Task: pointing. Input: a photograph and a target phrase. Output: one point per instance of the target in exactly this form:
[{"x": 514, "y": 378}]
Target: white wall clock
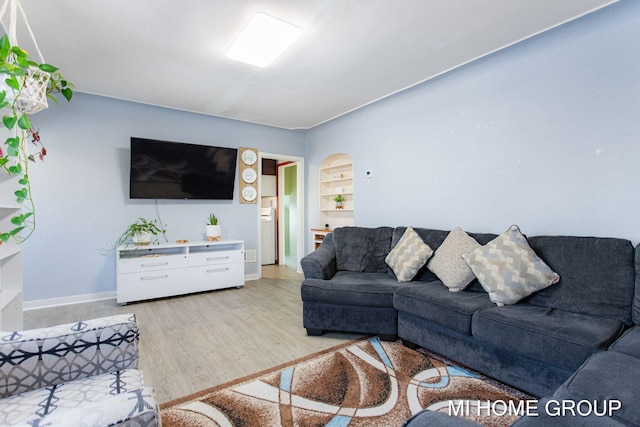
[{"x": 249, "y": 175}]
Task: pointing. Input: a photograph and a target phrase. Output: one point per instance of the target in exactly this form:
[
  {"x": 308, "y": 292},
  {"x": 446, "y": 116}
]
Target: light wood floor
[{"x": 193, "y": 342}]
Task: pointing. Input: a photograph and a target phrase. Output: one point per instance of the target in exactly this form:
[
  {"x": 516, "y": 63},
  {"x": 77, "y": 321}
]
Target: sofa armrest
[
  {"x": 45, "y": 357},
  {"x": 321, "y": 263}
]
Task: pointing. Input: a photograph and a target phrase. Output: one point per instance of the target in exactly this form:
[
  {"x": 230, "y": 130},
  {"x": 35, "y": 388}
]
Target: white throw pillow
[
  {"x": 508, "y": 269},
  {"x": 447, "y": 262},
  {"x": 408, "y": 256}
]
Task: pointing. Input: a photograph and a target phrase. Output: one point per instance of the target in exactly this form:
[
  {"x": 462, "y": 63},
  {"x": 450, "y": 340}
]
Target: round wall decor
[
  {"x": 249, "y": 194},
  {"x": 249, "y": 157},
  {"x": 248, "y": 175}
]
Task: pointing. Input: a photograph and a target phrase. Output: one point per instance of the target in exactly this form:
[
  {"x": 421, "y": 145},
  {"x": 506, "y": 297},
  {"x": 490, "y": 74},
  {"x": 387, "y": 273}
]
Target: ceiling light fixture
[{"x": 262, "y": 40}]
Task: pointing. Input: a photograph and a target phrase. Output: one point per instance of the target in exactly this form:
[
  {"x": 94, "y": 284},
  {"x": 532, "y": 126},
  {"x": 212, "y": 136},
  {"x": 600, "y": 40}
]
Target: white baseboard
[
  {"x": 75, "y": 299},
  {"x": 79, "y": 299}
]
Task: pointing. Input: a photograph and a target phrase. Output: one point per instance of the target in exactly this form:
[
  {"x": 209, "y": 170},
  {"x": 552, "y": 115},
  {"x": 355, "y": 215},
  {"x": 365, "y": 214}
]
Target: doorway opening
[{"x": 281, "y": 213}]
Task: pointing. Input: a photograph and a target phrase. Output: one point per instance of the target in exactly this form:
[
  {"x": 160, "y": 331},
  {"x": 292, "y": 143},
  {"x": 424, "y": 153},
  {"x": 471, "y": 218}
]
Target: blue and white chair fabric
[{"x": 78, "y": 374}]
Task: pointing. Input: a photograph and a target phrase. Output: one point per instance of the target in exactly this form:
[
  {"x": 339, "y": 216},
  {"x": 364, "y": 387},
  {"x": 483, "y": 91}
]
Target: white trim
[
  {"x": 79, "y": 299},
  {"x": 75, "y": 299}
]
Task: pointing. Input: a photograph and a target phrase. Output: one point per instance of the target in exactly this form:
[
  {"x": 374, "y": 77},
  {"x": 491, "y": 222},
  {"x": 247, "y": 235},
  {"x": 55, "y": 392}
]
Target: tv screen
[{"x": 173, "y": 170}]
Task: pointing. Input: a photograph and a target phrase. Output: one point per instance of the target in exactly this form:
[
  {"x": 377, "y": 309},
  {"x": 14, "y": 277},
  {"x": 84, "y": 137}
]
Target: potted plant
[
  {"x": 213, "y": 230},
  {"x": 339, "y": 199},
  {"x": 140, "y": 232},
  {"x": 25, "y": 87}
]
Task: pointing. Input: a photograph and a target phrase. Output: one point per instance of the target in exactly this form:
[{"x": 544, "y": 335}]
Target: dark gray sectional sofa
[{"x": 574, "y": 339}]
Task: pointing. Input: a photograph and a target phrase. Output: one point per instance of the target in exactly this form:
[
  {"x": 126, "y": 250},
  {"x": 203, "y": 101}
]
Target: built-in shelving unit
[
  {"x": 156, "y": 271},
  {"x": 336, "y": 177},
  {"x": 10, "y": 259}
]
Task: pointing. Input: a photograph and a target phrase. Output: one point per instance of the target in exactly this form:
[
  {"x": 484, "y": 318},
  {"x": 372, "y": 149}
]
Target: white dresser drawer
[
  {"x": 217, "y": 276},
  {"x": 139, "y": 286},
  {"x": 215, "y": 257},
  {"x": 141, "y": 264}
]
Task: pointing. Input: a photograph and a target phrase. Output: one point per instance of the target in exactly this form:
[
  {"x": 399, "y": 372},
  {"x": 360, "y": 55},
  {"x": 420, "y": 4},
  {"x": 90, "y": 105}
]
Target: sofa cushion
[
  {"x": 550, "y": 413},
  {"x": 99, "y": 400},
  {"x": 447, "y": 262},
  {"x": 556, "y": 337},
  {"x": 408, "y": 256},
  {"x": 362, "y": 249},
  {"x": 597, "y": 275},
  {"x": 349, "y": 288},
  {"x": 508, "y": 269},
  {"x": 605, "y": 377},
  {"x": 434, "y": 302},
  {"x": 628, "y": 343}
]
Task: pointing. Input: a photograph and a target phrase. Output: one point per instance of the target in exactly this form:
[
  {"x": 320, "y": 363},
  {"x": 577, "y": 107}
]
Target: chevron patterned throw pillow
[
  {"x": 408, "y": 256},
  {"x": 508, "y": 269}
]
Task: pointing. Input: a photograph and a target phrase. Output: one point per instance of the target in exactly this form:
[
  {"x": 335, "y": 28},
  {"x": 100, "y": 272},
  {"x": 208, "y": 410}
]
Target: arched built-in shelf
[{"x": 336, "y": 177}]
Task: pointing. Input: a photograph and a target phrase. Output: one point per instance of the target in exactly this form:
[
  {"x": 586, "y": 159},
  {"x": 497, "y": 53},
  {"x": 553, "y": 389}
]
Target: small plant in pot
[
  {"x": 213, "y": 230},
  {"x": 140, "y": 232},
  {"x": 339, "y": 199}
]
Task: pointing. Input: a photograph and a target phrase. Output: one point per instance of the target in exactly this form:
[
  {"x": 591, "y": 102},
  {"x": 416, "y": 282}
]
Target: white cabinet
[
  {"x": 10, "y": 259},
  {"x": 145, "y": 272},
  {"x": 318, "y": 235}
]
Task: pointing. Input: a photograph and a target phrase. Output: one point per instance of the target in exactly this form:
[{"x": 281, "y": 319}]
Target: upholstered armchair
[{"x": 77, "y": 374}]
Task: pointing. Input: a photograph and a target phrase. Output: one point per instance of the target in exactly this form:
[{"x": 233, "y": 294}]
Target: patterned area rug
[{"x": 366, "y": 383}]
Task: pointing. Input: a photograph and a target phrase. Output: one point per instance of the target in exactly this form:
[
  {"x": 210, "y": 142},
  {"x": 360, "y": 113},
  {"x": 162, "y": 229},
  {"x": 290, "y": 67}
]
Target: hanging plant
[{"x": 25, "y": 87}]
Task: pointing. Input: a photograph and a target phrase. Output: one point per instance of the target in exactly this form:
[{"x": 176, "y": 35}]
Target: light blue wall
[
  {"x": 82, "y": 195},
  {"x": 545, "y": 134}
]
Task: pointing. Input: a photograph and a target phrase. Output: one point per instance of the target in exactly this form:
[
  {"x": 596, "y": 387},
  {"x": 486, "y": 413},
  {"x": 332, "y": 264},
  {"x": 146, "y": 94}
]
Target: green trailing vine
[{"x": 23, "y": 146}]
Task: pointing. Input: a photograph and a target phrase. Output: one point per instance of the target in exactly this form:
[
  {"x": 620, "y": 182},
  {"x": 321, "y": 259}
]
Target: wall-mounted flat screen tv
[{"x": 174, "y": 170}]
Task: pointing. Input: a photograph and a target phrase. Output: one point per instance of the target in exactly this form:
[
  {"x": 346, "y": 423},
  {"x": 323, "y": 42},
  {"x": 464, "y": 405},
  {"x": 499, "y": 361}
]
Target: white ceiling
[{"x": 352, "y": 52}]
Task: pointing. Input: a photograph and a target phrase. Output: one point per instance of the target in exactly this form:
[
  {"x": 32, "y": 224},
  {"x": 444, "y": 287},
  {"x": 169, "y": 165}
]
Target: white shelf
[
  {"x": 7, "y": 297},
  {"x": 191, "y": 244},
  {"x": 337, "y": 165},
  {"x": 332, "y": 180},
  {"x": 9, "y": 207},
  {"x": 335, "y": 194},
  {"x": 7, "y": 250}
]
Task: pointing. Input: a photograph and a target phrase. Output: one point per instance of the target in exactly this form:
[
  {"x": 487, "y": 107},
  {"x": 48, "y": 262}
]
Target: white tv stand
[{"x": 155, "y": 271}]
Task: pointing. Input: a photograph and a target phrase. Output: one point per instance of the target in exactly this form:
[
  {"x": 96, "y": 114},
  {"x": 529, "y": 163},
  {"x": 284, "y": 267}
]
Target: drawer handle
[
  {"x": 163, "y": 276},
  {"x": 154, "y": 264},
  {"x": 216, "y": 270},
  {"x": 217, "y": 258}
]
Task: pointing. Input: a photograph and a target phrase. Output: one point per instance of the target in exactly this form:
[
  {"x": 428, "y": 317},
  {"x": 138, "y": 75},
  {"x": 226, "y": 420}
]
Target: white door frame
[{"x": 301, "y": 208}]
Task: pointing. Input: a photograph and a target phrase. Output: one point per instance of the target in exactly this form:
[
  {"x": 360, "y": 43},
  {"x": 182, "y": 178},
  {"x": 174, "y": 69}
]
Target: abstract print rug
[{"x": 366, "y": 383}]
